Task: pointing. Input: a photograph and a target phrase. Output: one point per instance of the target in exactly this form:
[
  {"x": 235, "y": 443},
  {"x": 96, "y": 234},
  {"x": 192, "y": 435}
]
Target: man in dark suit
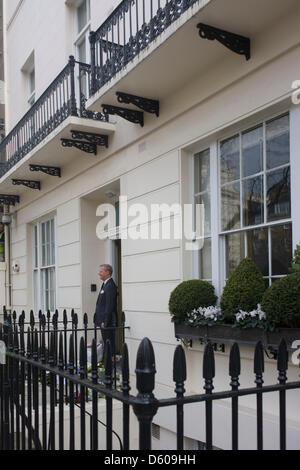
[{"x": 106, "y": 307}]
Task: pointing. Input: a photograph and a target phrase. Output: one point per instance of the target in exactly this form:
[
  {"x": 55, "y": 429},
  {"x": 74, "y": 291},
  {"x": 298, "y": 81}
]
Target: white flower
[
  {"x": 210, "y": 313},
  {"x": 241, "y": 315}
]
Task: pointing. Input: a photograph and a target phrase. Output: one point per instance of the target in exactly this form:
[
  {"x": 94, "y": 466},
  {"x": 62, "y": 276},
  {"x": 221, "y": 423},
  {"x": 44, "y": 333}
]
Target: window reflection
[
  {"x": 281, "y": 240},
  {"x": 253, "y": 201},
  {"x": 278, "y": 142},
  {"x": 202, "y": 195},
  {"x": 205, "y": 267},
  {"x": 252, "y": 151},
  {"x": 258, "y": 249},
  {"x": 202, "y": 172},
  {"x": 278, "y": 194},
  {"x": 235, "y": 251},
  {"x": 205, "y": 200},
  {"x": 230, "y": 160},
  {"x": 231, "y": 207}
]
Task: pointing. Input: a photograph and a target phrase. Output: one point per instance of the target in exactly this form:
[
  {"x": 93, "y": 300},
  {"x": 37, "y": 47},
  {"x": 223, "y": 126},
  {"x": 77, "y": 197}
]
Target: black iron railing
[
  {"x": 132, "y": 26},
  {"x": 66, "y": 96},
  {"x": 66, "y": 324},
  {"x": 31, "y": 379}
]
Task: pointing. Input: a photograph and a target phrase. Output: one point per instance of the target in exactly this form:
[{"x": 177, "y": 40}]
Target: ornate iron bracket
[
  {"x": 28, "y": 183},
  {"x": 9, "y": 200},
  {"x": 137, "y": 117},
  {"x": 49, "y": 170},
  {"x": 86, "y": 147},
  {"x": 98, "y": 139},
  {"x": 146, "y": 104},
  {"x": 234, "y": 42}
]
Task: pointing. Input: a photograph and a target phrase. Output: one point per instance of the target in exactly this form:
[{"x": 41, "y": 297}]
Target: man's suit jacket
[{"x": 106, "y": 307}]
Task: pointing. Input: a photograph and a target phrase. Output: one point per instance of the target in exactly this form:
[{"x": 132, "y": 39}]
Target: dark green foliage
[
  {"x": 190, "y": 295},
  {"x": 281, "y": 302},
  {"x": 296, "y": 261},
  {"x": 243, "y": 291}
]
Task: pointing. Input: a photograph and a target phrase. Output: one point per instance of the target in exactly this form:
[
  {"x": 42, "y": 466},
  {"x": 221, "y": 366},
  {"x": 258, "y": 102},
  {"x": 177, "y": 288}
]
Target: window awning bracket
[
  {"x": 146, "y": 104},
  {"x": 28, "y": 183},
  {"x": 49, "y": 170},
  {"x": 9, "y": 200},
  {"x": 238, "y": 44},
  {"x": 131, "y": 115}
]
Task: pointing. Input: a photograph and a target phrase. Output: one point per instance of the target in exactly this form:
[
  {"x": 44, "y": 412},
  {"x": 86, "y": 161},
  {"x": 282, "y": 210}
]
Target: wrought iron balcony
[
  {"x": 59, "y": 101},
  {"x": 132, "y": 26}
]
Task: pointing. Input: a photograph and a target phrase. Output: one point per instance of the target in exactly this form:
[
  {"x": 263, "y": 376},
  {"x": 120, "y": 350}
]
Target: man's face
[
  {"x": 1, "y": 227},
  {"x": 103, "y": 274}
]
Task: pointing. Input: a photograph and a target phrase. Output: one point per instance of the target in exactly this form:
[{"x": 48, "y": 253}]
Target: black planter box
[{"x": 225, "y": 334}]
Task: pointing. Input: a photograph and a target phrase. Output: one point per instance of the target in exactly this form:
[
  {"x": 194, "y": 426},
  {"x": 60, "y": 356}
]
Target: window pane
[
  {"x": 52, "y": 232},
  {"x": 205, "y": 270},
  {"x": 278, "y": 142},
  {"x": 278, "y": 194},
  {"x": 47, "y": 243},
  {"x": 82, "y": 15},
  {"x": 205, "y": 200},
  {"x": 202, "y": 172},
  {"x": 52, "y": 289},
  {"x": 230, "y": 160},
  {"x": 36, "y": 289},
  {"x": 43, "y": 234},
  {"x": 253, "y": 201},
  {"x": 52, "y": 301},
  {"x": 82, "y": 52},
  {"x": 43, "y": 231},
  {"x": 35, "y": 262},
  {"x": 231, "y": 206},
  {"x": 52, "y": 260},
  {"x": 235, "y": 251},
  {"x": 46, "y": 289},
  {"x": 257, "y": 244},
  {"x": 32, "y": 82},
  {"x": 84, "y": 86},
  {"x": 43, "y": 290},
  {"x": 252, "y": 151},
  {"x": 281, "y": 242}
]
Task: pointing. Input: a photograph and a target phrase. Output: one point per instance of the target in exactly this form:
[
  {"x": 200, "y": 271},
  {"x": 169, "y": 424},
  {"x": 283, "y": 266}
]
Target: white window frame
[
  {"x": 84, "y": 33},
  {"x": 196, "y": 267},
  {"x": 218, "y": 241},
  {"x": 39, "y": 296}
]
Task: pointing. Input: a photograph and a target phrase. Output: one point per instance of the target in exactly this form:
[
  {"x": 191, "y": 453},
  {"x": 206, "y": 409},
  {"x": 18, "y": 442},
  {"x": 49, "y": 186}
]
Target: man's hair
[{"x": 107, "y": 268}]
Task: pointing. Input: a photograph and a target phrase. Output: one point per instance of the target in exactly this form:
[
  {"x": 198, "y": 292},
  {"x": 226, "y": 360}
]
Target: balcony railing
[
  {"x": 132, "y": 26},
  {"x": 60, "y": 100}
]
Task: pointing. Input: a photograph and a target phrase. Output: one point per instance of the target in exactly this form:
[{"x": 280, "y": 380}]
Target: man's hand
[{"x": 102, "y": 325}]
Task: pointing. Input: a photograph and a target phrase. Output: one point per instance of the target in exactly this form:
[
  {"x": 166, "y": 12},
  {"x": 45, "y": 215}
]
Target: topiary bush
[
  {"x": 295, "y": 263},
  {"x": 190, "y": 295},
  {"x": 281, "y": 302},
  {"x": 243, "y": 290}
]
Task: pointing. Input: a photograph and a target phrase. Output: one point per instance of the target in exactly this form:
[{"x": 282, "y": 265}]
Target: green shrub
[
  {"x": 190, "y": 295},
  {"x": 295, "y": 264},
  {"x": 243, "y": 291},
  {"x": 281, "y": 302}
]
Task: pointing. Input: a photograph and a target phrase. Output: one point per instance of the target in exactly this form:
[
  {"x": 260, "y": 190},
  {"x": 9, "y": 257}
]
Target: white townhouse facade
[{"x": 219, "y": 125}]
